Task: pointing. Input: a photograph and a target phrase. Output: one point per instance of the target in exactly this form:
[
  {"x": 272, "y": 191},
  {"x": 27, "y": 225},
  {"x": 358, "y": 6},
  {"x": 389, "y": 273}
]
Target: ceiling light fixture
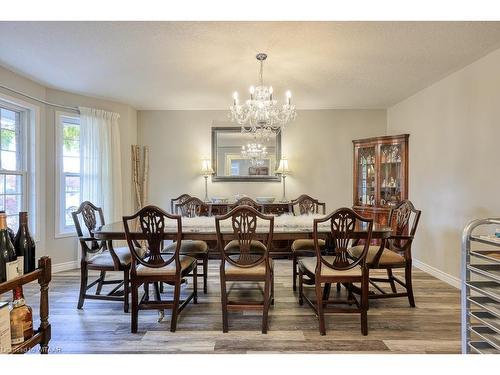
[{"x": 261, "y": 114}]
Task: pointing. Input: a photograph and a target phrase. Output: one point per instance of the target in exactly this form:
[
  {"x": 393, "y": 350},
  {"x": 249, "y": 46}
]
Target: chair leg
[
  {"x": 84, "y": 276},
  {"x": 146, "y": 291},
  {"x": 100, "y": 283},
  {"x": 223, "y": 293},
  {"x": 319, "y": 307},
  {"x": 301, "y": 287},
  {"x": 175, "y": 306},
  {"x": 157, "y": 291},
  {"x": 135, "y": 307},
  {"x": 205, "y": 274},
  {"x": 272, "y": 287},
  {"x": 195, "y": 283},
  {"x": 161, "y": 287},
  {"x": 364, "y": 305},
  {"x": 294, "y": 271},
  {"x": 126, "y": 289},
  {"x": 339, "y": 287},
  {"x": 267, "y": 300},
  {"x": 391, "y": 280},
  {"x": 409, "y": 285},
  {"x": 326, "y": 291}
]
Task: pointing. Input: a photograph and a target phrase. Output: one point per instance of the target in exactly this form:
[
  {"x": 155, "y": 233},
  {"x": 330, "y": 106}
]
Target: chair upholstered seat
[
  {"x": 189, "y": 247},
  {"x": 168, "y": 270},
  {"x": 388, "y": 257},
  {"x": 255, "y": 247},
  {"x": 309, "y": 264},
  {"x": 105, "y": 259},
  {"x": 306, "y": 245},
  {"x": 259, "y": 270}
]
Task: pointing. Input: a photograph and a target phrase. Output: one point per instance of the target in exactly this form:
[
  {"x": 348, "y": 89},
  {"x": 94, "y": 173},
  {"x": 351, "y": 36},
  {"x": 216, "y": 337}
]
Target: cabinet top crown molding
[{"x": 382, "y": 138}]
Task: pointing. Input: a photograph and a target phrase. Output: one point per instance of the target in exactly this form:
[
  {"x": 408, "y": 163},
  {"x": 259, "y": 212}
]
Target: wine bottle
[
  {"x": 25, "y": 246},
  {"x": 21, "y": 318},
  {"x": 9, "y": 230},
  {"x": 8, "y": 258}
]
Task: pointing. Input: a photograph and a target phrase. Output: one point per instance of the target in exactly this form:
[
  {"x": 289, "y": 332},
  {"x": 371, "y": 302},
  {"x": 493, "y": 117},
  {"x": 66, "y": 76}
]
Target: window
[
  {"x": 68, "y": 168},
  {"x": 13, "y": 171}
]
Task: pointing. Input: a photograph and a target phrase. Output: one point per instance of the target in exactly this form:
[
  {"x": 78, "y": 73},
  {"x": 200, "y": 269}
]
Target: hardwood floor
[{"x": 102, "y": 327}]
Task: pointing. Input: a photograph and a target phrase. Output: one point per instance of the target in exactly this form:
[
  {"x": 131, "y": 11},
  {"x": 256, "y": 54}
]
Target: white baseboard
[
  {"x": 443, "y": 276},
  {"x": 66, "y": 266}
]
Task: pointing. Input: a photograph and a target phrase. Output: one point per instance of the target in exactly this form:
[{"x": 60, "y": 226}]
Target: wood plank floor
[{"x": 102, "y": 327}]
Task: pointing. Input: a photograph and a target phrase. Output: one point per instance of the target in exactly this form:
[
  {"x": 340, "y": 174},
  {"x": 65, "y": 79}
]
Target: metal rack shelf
[{"x": 480, "y": 289}]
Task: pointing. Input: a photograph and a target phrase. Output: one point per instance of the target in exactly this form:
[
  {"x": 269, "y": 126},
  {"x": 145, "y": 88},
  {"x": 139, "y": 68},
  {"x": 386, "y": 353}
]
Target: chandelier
[
  {"x": 261, "y": 114},
  {"x": 255, "y": 152}
]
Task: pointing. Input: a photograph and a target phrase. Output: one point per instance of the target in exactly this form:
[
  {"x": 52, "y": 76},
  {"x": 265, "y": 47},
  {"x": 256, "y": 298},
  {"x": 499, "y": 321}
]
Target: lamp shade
[
  {"x": 206, "y": 167},
  {"x": 283, "y": 167}
]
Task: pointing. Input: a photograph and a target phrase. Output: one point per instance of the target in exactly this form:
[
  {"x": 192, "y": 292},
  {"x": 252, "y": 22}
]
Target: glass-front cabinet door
[
  {"x": 380, "y": 175},
  {"x": 391, "y": 174},
  {"x": 366, "y": 176}
]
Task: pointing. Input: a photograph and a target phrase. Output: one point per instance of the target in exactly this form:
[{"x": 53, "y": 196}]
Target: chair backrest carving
[
  {"x": 148, "y": 225},
  {"x": 403, "y": 219},
  {"x": 307, "y": 205},
  {"x": 89, "y": 214},
  {"x": 175, "y": 201},
  {"x": 193, "y": 207},
  {"x": 247, "y": 201},
  {"x": 244, "y": 225},
  {"x": 344, "y": 228}
]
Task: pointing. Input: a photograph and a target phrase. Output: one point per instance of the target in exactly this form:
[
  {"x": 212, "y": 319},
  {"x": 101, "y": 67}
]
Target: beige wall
[
  {"x": 454, "y": 158},
  {"x": 318, "y": 146},
  {"x": 63, "y": 250}
]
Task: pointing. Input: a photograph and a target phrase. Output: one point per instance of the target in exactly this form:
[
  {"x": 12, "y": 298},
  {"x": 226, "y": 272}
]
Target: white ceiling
[{"x": 198, "y": 65}]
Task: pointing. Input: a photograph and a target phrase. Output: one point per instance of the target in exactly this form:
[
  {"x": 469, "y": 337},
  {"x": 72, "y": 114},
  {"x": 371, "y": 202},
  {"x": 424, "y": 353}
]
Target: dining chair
[
  {"x": 247, "y": 201},
  {"x": 250, "y": 263},
  {"x": 175, "y": 201},
  {"x": 99, "y": 256},
  {"x": 306, "y": 205},
  {"x": 337, "y": 265},
  {"x": 154, "y": 266},
  {"x": 394, "y": 253},
  {"x": 192, "y": 207}
]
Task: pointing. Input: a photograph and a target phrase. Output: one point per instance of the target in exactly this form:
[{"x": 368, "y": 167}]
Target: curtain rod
[{"x": 75, "y": 109}]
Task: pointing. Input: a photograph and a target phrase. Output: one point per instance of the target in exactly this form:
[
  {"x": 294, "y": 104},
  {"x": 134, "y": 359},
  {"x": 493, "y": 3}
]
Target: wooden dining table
[{"x": 285, "y": 228}]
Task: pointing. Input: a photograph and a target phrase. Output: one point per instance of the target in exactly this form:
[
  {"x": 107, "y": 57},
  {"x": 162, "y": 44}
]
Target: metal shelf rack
[{"x": 480, "y": 289}]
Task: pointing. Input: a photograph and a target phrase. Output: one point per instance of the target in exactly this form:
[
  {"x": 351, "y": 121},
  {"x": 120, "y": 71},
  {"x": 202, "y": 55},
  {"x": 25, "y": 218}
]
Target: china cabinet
[{"x": 380, "y": 175}]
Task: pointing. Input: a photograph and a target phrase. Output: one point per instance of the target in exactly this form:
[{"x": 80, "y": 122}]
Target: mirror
[{"x": 240, "y": 156}]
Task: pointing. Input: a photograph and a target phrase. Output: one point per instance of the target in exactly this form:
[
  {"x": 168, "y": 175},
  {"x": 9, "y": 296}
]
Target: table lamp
[
  {"x": 206, "y": 170},
  {"x": 283, "y": 171}
]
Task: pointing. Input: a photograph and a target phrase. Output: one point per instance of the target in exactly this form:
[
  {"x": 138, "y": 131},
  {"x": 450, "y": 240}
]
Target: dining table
[{"x": 286, "y": 227}]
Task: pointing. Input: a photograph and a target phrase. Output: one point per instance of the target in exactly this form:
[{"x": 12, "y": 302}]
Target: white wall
[
  {"x": 63, "y": 250},
  {"x": 454, "y": 157},
  {"x": 318, "y": 146}
]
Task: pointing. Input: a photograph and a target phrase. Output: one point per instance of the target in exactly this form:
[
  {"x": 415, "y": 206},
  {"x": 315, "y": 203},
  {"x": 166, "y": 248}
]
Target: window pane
[
  {"x": 71, "y": 148},
  {"x": 72, "y": 184},
  {"x": 13, "y": 184},
  {"x": 71, "y": 164},
  {"x": 2, "y": 184},
  {"x": 2, "y": 206},
  {"x": 8, "y": 139},
  {"x": 9, "y": 119},
  {"x": 9, "y": 160},
  {"x": 71, "y": 131},
  {"x": 13, "y": 222},
  {"x": 72, "y": 201},
  {"x": 13, "y": 204}
]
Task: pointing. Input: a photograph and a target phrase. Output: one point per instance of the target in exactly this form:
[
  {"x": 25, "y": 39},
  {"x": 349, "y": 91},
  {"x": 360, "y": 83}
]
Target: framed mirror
[{"x": 240, "y": 156}]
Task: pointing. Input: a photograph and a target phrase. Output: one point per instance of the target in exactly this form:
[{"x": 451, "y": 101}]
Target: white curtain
[{"x": 101, "y": 180}]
